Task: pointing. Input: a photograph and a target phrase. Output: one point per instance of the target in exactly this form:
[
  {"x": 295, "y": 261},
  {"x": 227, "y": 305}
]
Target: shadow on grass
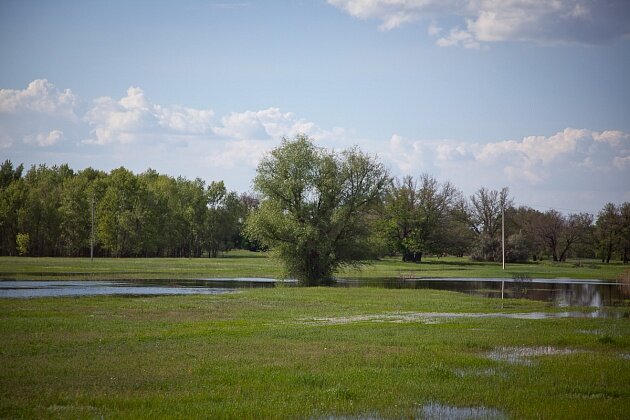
[{"x": 240, "y": 256}]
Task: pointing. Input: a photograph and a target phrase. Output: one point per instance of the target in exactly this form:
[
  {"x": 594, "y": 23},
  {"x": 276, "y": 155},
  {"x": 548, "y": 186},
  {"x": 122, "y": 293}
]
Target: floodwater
[
  {"x": 32, "y": 289},
  {"x": 439, "y": 317},
  {"x": 562, "y": 292},
  {"x": 440, "y": 411}
]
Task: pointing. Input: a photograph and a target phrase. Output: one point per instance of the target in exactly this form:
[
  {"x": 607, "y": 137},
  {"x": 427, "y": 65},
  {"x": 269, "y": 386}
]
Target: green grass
[
  {"x": 255, "y": 354},
  {"x": 252, "y": 264}
]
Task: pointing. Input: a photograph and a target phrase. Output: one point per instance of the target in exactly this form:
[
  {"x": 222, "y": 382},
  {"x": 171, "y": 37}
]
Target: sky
[{"x": 533, "y": 95}]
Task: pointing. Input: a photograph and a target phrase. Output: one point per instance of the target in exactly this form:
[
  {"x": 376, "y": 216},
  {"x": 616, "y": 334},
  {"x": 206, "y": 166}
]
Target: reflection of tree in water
[
  {"x": 568, "y": 294},
  {"x": 562, "y": 294},
  {"x": 624, "y": 283},
  {"x": 586, "y": 295}
]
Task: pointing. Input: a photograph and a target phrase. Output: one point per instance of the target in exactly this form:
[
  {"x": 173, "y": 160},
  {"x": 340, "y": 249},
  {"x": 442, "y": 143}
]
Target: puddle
[
  {"x": 478, "y": 372},
  {"x": 523, "y": 355},
  {"x": 591, "y": 332},
  {"x": 563, "y": 292},
  {"x": 436, "y": 411},
  {"x": 33, "y": 289},
  {"x": 363, "y": 416},
  {"x": 437, "y": 317}
]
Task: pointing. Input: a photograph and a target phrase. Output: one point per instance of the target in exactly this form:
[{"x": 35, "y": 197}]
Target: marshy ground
[{"x": 272, "y": 353}]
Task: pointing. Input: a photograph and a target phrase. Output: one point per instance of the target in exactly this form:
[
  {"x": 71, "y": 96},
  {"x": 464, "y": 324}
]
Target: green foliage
[
  {"x": 318, "y": 207},
  {"x": 22, "y": 243},
  {"x": 421, "y": 217},
  {"x": 517, "y": 248},
  {"x": 315, "y": 207},
  {"x": 485, "y": 215},
  {"x": 135, "y": 215},
  {"x": 613, "y": 232}
]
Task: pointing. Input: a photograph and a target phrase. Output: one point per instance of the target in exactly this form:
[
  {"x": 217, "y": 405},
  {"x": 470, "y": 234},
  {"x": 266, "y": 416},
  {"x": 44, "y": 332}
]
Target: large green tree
[
  {"x": 224, "y": 218},
  {"x": 314, "y": 207},
  {"x": 485, "y": 214},
  {"x": 560, "y": 233},
  {"x": 12, "y": 197},
  {"x": 420, "y": 216}
]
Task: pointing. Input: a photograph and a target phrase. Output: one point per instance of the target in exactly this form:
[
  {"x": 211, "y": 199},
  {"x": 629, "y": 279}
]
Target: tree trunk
[{"x": 412, "y": 256}]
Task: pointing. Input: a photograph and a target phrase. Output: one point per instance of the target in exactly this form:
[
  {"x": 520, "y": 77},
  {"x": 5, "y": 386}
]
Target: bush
[
  {"x": 22, "y": 241},
  {"x": 517, "y": 248}
]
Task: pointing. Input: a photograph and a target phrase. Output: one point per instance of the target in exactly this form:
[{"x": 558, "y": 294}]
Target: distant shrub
[
  {"x": 517, "y": 249},
  {"x": 21, "y": 243}
]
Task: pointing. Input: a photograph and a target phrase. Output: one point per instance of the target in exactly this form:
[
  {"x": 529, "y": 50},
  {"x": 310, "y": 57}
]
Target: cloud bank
[
  {"x": 479, "y": 22},
  {"x": 43, "y": 124}
]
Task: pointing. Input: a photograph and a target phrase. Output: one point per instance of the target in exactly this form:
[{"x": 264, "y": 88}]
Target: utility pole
[
  {"x": 502, "y": 247},
  {"x": 92, "y": 237},
  {"x": 503, "y": 233}
]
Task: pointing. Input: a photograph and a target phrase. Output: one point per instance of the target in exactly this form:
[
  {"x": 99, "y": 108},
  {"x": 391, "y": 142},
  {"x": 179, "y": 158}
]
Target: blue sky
[{"x": 529, "y": 94}]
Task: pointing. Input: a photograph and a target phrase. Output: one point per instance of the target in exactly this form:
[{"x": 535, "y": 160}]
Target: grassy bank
[
  {"x": 306, "y": 353},
  {"x": 252, "y": 264}
]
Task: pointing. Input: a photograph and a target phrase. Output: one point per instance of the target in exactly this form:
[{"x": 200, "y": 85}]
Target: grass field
[
  {"x": 251, "y": 264},
  {"x": 307, "y": 353}
]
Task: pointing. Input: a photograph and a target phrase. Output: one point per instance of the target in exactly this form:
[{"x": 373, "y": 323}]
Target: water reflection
[
  {"x": 562, "y": 292},
  {"x": 32, "y": 289}
]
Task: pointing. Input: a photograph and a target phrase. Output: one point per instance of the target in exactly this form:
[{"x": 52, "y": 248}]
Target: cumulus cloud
[
  {"x": 40, "y": 96},
  {"x": 558, "y": 21},
  {"x": 268, "y": 123},
  {"x": 622, "y": 162},
  {"x": 44, "y": 139},
  {"x": 39, "y": 115},
  {"x": 38, "y": 127},
  {"x": 459, "y": 37},
  {"x": 531, "y": 160},
  {"x": 534, "y": 157},
  {"x": 239, "y": 153},
  {"x": 5, "y": 141},
  {"x": 134, "y": 118}
]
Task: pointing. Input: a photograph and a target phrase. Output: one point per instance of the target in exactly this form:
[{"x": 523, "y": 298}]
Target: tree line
[
  {"x": 318, "y": 209},
  {"x": 47, "y": 211}
]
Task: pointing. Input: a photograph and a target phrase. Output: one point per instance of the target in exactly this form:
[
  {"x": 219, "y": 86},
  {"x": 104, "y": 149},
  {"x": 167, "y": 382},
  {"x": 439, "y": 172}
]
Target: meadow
[
  {"x": 308, "y": 353},
  {"x": 288, "y": 352},
  {"x": 259, "y": 264}
]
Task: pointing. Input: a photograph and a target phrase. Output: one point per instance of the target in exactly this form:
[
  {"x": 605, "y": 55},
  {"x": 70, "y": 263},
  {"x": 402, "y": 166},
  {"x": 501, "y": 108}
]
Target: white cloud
[
  {"x": 135, "y": 132},
  {"x": 5, "y": 141},
  {"x": 433, "y": 29},
  {"x": 622, "y": 162},
  {"x": 458, "y": 37},
  {"x": 573, "y": 168},
  {"x": 408, "y": 156},
  {"x": 545, "y": 21},
  {"x": 240, "y": 153},
  {"x": 268, "y": 123},
  {"x": 531, "y": 160},
  {"x": 536, "y": 148},
  {"x": 613, "y": 137},
  {"x": 44, "y": 139},
  {"x": 134, "y": 118},
  {"x": 40, "y": 96},
  {"x": 395, "y": 13},
  {"x": 451, "y": 152}
]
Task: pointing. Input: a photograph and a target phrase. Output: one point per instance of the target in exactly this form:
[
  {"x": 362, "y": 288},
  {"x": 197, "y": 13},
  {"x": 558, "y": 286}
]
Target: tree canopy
[
  {"x": 317, "y": 209},
  {"x": 315, "y": 206}
]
